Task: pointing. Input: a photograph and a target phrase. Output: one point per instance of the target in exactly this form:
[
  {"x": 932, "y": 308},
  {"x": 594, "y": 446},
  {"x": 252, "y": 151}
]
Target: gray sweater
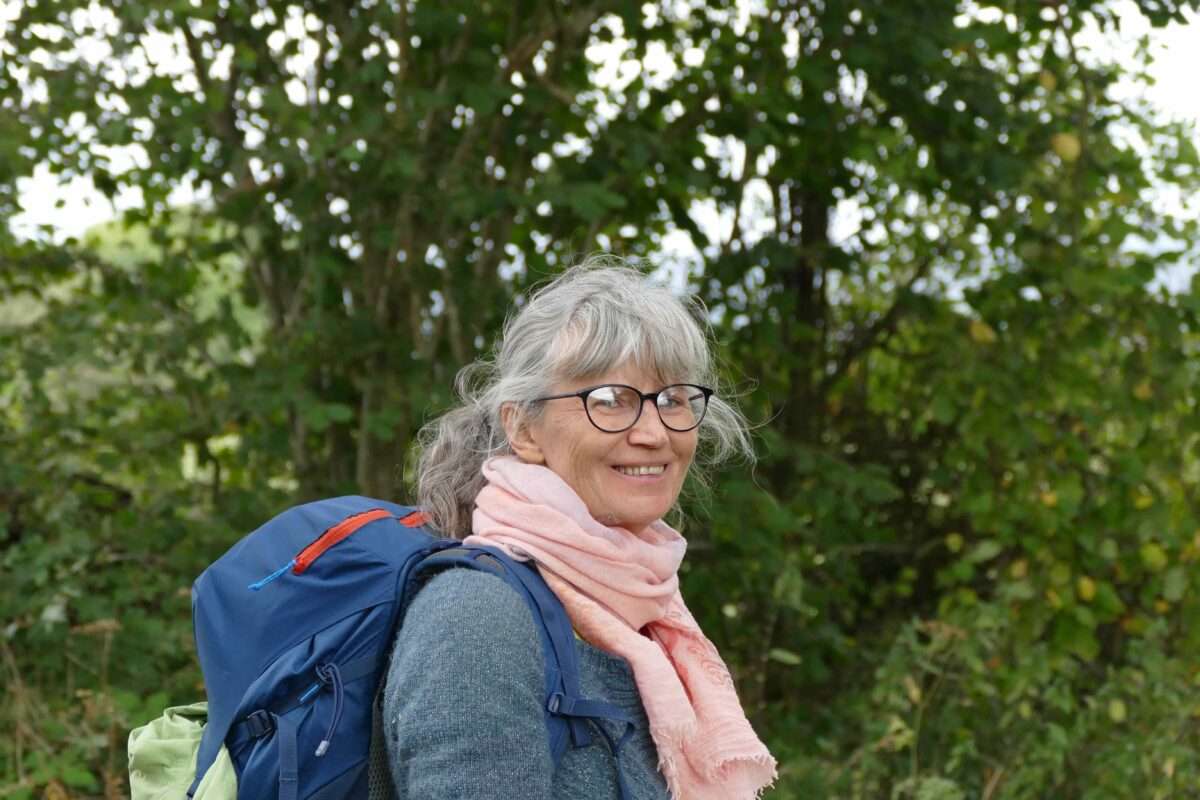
[{"x": 462, "y": 711}]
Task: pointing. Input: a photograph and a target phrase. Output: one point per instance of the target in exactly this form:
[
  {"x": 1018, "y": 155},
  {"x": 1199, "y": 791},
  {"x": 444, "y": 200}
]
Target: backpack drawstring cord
[{"x": 331, "y": 676}]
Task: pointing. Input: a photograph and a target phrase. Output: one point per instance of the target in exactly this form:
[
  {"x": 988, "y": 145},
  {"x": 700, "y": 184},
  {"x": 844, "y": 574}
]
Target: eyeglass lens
[{"x": 615, "y": 408}]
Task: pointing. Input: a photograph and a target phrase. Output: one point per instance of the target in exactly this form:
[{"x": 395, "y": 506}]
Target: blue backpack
[{"x": 294, "y": 625}]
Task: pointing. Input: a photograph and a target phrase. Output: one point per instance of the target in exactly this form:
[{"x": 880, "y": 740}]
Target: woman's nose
[{"x": 649, "y": 428}]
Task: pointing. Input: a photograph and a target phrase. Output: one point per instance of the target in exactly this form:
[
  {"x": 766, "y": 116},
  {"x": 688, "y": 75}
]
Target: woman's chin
[
  {"x": 634, "y": 521},
  {"x": 633, "y": 504}
]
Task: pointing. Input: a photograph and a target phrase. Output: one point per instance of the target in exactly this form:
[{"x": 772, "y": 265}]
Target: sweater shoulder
[{"x": 476, "y": 609}]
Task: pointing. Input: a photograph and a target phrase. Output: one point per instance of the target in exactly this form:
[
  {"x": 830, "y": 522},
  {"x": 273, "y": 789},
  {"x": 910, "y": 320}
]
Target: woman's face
[{"x": 599, "y": 465}]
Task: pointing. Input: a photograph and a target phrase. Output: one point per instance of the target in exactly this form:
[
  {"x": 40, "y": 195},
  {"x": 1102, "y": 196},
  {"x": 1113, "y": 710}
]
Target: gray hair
[{"x": 593, "y": 318}]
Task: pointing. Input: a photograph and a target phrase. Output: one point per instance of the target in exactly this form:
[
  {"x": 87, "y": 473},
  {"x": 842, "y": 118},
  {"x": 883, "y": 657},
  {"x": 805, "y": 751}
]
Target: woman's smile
[{"x": 653, "y": 471}]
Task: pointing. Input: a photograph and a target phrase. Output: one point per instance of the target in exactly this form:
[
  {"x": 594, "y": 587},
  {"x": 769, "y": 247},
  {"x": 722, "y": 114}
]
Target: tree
[{"x": 921, "y": 231}]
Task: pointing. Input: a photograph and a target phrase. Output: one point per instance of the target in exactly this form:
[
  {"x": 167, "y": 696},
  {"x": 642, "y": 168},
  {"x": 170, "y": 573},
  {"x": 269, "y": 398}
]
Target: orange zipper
[
  {"x": 344, "y": 529},
  {"x": 414, "y": 519},
  {"x": 334, "y": 535}
]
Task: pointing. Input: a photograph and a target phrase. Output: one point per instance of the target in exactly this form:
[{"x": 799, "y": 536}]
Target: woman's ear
[{"x": 521, "y": 438}]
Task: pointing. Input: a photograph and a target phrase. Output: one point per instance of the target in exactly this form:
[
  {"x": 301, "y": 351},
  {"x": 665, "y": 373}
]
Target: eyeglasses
[{"x": 614, "y": 407}]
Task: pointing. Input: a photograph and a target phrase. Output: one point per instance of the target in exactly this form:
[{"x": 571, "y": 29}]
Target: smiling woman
[
  {"x": 553, "y": 458},
  {"x": 596, "y": 320}
]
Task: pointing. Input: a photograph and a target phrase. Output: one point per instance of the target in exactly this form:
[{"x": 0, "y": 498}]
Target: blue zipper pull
[{"x": 277, "y": 573}]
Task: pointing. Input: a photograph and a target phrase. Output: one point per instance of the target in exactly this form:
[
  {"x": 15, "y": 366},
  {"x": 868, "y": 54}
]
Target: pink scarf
[{"x": 614, "y": 584}]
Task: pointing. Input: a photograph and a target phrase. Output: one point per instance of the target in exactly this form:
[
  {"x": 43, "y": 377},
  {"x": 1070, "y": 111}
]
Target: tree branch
[
  {"x": 735, "y": 232},
  {"x": 883, "y": 327}
]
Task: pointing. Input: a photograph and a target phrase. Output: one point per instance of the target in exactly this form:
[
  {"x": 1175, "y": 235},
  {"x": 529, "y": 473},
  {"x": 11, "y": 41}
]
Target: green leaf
[
  {"x": 78, "y": 777},
  {"x": 1175, "y": 584},
  {"x": 984, "y": 551},
  {"x": 784, "y": 656},
  {"x": 1153, "y": 556},
  {"x": 1074, "y": 637}
]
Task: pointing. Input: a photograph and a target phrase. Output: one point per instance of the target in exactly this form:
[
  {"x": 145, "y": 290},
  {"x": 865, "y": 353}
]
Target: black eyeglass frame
[{"x": 582, "y": 394}]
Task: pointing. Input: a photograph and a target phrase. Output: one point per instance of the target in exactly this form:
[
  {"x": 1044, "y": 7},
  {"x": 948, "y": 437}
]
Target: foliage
[{"x": 929, "y": 238}]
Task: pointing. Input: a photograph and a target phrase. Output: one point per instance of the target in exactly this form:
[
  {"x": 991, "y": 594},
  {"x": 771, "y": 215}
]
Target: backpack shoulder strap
[{"x": 554, "y": 631}]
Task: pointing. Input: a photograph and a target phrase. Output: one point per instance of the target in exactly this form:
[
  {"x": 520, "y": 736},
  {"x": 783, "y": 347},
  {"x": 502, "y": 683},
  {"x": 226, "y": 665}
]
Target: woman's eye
[
  {"x": 672, "y": 399},
  {"x": 605, "y": 397}
]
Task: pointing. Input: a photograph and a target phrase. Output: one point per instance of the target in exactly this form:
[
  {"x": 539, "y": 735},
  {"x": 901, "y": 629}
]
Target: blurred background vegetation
[{"x": 934, "y": 242}]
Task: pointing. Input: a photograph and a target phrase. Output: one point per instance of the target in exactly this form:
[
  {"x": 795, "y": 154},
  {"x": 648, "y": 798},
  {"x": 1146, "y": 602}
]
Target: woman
[{"x": 554, "y": 456}]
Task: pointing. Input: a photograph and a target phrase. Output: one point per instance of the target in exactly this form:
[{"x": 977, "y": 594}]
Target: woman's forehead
[{"x": 629, "y": 374}]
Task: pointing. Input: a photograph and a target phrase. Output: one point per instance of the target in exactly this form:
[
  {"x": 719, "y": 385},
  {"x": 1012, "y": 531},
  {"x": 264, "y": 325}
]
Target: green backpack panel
[{"x": 162, "y": 759}]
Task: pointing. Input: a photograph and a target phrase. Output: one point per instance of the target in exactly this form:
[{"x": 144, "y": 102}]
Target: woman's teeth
[{"x": 656, "y": 470}]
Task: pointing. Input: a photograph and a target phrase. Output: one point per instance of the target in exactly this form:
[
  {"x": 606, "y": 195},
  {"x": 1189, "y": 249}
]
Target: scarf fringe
[
  {"x": 723, "y": 770},
  {"x": 675, "y": 737}
]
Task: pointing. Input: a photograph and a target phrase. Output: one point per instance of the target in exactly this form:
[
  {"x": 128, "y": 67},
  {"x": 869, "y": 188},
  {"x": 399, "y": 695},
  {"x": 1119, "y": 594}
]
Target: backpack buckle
[
  {"x": 560, "y": 703},
  {"x": 259, "y": 724}
]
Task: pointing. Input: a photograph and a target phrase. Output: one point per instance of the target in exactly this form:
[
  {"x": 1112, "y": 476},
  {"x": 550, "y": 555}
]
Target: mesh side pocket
[{"x": 379, "y": 773}]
